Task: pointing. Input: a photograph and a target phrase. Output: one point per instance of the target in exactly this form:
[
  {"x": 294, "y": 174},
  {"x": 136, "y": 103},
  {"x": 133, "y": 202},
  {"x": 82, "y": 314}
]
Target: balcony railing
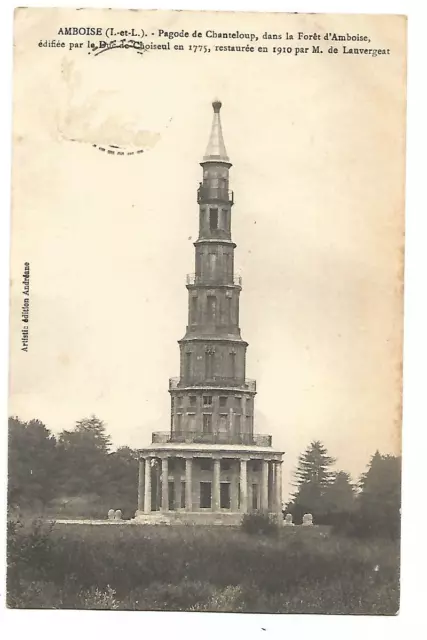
[
  {"x": 216, "y": 381},
  {"x": 209, "y": 281},
  {"x": 256, "y": 439},
  {"x": 205, "y": 193}
]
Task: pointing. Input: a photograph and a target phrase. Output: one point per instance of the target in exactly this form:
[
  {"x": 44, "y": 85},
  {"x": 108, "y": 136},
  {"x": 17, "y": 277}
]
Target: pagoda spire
[{"x": 216, "y": 151}]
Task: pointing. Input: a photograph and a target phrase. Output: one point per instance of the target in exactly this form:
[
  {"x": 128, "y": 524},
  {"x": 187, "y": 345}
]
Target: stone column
[
  {"x": 234, "y": 488},
  {"x": 147, "y": 486},
  {"x": 243, "y": 485},
  {"x": 278, "y": 486},
  {"x": 271, "y": 495},
  {"x": 264, "y": 485},
  {"x": 188, "y": 484},
  {"x": 165, "y": 485},
  {"x": 216, "y": 495},
  {"x": 141, "y": 485}
]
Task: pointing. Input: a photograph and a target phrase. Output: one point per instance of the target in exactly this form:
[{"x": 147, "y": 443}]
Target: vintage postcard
[{"x": 206, "y": 311}]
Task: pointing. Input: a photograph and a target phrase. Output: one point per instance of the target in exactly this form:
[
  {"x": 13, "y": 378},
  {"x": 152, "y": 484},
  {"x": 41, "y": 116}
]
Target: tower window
[
  {"x": 198, "y": 263},
  {"x": 192, "y": 401},
  {"x": 194, "y": 309},
  {"x": 207, "y": 423},
  {"x": 191, "y": 418},
  {"x": 224, "y": 219},
  {"x": 229, "y": 303},
  {"x": 212, "y": 265},
  {"x": 213, "y": 219},
  {"x": 187, "y": 372},
  {"x": 207, "y": 400},
  {"x": 179, "y": 401},
  {"x": 209, "y": 364},
  {"x": 211, "y": 300},
  {"x": 223, "y": 401},
  {"x": 205, "y": 495},
  {"x": 225, "y": 501}
]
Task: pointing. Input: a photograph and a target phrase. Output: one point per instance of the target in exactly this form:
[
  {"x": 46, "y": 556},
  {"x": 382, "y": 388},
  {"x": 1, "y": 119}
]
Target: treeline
[
  {"x": 371, "y": 506},
  {"x": 74, "y": 473}
]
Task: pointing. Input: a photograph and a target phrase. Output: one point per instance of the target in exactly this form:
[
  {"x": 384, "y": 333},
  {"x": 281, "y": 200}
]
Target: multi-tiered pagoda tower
[{"x": 210, "y": 465}]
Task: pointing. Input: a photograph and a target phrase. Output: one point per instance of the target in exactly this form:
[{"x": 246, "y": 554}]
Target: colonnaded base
[{"x": 195, "y": 483}]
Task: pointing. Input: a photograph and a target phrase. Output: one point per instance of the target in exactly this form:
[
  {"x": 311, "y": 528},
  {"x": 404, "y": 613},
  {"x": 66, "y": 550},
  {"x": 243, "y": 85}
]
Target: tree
[
  {"x": 340, "y": 495},
  {"x": 97, "y": 432},
  {"x": 32, "y": 463},
  {"x": 380, "y": 497},
  {"x": 78, "y": 466},
  {"x": 83, "y": 453},
  {"x": 313, "y": 479},
  {"x": 314, "y": 466},
  {"x": 122, "y": 474}
]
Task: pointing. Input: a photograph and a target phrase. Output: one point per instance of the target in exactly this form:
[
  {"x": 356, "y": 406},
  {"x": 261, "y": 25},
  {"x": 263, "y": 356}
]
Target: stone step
[{"x": 193, "y": 518}]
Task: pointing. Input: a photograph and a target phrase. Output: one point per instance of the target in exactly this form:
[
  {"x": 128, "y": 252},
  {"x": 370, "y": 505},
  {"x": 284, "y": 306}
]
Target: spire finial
[
  {"x": 217, "y": 104},
  {"x": 216, "y": 151}
]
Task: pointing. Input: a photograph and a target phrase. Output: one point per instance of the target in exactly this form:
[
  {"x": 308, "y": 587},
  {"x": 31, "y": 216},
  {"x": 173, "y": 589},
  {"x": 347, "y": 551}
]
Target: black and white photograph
[{"x": 206, "y": 312}]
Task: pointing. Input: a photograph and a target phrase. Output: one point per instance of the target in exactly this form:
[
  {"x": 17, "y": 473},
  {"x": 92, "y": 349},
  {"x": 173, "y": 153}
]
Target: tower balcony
[
  {"x": 248, "y": 439},
  {"x": 213, "y": 383},
  {"x": 206, "y": 193},
  {"x": 193, "y": 279}
]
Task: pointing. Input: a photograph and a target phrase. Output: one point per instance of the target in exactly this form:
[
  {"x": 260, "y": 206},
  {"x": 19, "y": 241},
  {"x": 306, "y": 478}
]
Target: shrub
[
  {"x": 29, "y": 544},
  {"x": 88, "y": 507},
  {"x": 200, "y": 569},
  {"x": 34, "y": 594},
  {"x": 95, "y": 598},
  {"x": 29, "y": 552},
  {"x": 259, "y": 522},
  {"x": 229, "y": 599},
  {"x": 362, "y": 525},
  {"x": 187, "y": 595}
]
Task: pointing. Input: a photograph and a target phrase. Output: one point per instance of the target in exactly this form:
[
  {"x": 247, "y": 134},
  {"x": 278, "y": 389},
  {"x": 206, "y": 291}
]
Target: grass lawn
[{"x": 301, "y": 570}]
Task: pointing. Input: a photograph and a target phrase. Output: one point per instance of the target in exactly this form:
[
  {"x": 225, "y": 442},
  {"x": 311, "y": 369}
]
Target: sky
[{"x": 318, "y": 177}]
